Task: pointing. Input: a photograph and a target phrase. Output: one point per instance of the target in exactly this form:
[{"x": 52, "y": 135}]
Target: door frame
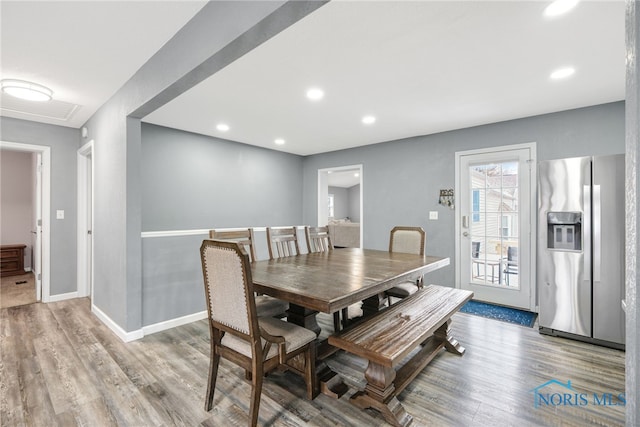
[
  {"x": 44, "y": 290},
  {"x": 533, "y": 214},
  {"x": 85, "y": 162},
  {"x": 323, "y": 193}
]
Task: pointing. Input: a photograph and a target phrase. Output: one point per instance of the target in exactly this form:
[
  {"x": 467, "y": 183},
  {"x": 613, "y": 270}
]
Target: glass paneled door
[{"x": 494, "y": 233}]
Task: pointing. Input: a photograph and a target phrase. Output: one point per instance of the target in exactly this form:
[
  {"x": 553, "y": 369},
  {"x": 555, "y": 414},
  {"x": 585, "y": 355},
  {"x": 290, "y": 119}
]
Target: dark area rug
[{"x": 505, "y": 314}]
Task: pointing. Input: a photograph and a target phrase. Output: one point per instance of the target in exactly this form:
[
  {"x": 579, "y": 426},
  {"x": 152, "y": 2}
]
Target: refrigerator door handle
[
  {"x": 597, "y": 235},
  {"x": 586, "y": 230}
]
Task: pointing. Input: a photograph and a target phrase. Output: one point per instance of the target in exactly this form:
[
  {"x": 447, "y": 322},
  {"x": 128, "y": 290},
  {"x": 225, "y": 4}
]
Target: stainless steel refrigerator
[{"x": 581, "y": 233}]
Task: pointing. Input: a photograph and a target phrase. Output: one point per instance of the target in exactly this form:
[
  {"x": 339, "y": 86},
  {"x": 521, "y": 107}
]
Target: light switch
[
  {"x": 433, "y": 215},
  {"x": 59, "y": 214}
]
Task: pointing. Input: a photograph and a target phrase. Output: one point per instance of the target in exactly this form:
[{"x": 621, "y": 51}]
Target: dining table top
[{"x": 330, "y": 281}]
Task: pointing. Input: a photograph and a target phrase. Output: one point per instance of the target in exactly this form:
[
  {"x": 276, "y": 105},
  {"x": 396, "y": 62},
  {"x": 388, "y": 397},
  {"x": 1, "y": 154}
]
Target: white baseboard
[
  {"x": 172, "y": 323},
  {"x": 62, "y": 297},
  {"x": 146, "y": 330},
  {"x": 115, "y": 328}
]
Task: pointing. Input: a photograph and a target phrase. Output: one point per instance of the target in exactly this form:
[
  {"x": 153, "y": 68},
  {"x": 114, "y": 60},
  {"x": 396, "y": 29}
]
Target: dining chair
[
  {"x": 406, "y": 240},
  {"x": 318, "y": 239},
  {"x": 266, "y": 305},
  {"x": 256, "y": 344},
  {"x": 282, "y": 242},
  {"x": 511, "y": 265}
]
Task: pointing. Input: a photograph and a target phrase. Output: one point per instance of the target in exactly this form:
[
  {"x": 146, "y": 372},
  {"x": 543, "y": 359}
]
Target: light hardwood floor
[
  {"x": 17, "y": 290},
  {"x": 59, "y": 365}
]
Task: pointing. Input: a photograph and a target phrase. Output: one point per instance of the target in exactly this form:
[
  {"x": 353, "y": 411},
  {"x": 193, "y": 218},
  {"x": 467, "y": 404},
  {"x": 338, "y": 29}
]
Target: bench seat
[{"x": 388, "y": 337}]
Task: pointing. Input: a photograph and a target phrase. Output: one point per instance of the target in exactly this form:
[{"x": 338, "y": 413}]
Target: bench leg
[
  {"x": 443, "y": 334},
  {"x": 379, "y": 394}
]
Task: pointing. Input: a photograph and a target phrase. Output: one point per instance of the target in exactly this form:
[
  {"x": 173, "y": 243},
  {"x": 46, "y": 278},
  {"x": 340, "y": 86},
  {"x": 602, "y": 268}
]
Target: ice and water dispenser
[{"x": 564, "y": 231}]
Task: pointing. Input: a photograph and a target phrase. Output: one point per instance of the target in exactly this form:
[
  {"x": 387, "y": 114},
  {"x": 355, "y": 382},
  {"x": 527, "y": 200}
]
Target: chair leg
[
  {"x": 256, "y": 392},
  {"x": 310, "y": 376},
  {"x": 211, "y": 384}
]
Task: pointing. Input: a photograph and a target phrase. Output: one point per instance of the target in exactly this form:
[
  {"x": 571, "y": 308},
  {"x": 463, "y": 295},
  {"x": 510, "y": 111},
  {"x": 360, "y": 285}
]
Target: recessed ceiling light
[
  {"x": 315, "y": 94},
  {"x": 222, "y": 127},
  {"x": 279, "y": 141},
  {"x": 559, "y": 7},
  {"x": 356, "y": 174},
  {"x": 367, "y": 120},
  {"x": 26, "y": 90},
  {"x": 562, "y": 73}
]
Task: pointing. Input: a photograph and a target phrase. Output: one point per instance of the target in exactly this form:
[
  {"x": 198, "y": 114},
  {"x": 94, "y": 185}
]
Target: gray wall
[
  {"x": 191, "y": 181},
  {"x": 16, "y": 200},
  {"x": 64, "y": 143},
  {"x": 354, "y": 203},
  {"x": 401, "y": 181},
  {"x": 340, "y": 202}
]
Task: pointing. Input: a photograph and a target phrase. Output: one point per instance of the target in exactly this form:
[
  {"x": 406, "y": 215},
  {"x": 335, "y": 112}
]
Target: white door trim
[
  {"x": 533, "y": 215},
  {"x": 85, "y": 164},
  {"x": 323, "y": 194},
  {"x": 45, "y": 151}
]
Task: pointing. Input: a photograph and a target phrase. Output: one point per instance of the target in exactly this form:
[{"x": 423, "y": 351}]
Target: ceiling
[{"x": 420, "y": 67}]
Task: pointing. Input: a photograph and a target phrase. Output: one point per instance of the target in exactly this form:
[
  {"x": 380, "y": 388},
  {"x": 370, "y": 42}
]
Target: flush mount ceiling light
[
  {"x": 279, "y": 141},
  {"x": 315, "y": 94},
  {"x": 222, "y": 127},
  {"x": 368, "y": 120},
  {"x": 559, "y": 7},
  {"x": 562, "y": 73},
  {"x": 26, "y": 90}
]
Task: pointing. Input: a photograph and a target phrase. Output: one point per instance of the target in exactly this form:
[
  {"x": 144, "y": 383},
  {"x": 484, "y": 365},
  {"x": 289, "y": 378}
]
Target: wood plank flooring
[
  {"x": 59, "y": 365},
  {"x": 13, "y": 294}
]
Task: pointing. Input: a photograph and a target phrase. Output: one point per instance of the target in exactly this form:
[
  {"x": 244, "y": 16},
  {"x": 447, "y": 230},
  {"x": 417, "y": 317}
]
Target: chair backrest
[
  {"x": 407, "y": 239},
  {"x": 318, "y": 239},
  {"x": 475, "y": 249},
  {"x": 282, "y": 242},
  {"x": 228, "y": 289},
  {"x": 244, "y": 237},
  {"x": 512, "y": 255}
]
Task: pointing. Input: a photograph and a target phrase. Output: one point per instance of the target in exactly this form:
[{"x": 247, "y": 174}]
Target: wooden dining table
[{"x": 329, "y": 281}]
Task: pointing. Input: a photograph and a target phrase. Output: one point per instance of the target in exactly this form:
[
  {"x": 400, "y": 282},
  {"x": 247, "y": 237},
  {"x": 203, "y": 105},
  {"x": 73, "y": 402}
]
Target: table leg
[
  {"x": 303, "y": 317},
  {"x": 380, "y": 394}
]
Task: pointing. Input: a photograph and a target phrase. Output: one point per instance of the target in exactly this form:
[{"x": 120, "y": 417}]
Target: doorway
[
  {"x": 340, "y": 191},
  {"x": 495, "y": 222},
  {"x": 85, "y": 160},
  {"x": 41, "y": 222}
]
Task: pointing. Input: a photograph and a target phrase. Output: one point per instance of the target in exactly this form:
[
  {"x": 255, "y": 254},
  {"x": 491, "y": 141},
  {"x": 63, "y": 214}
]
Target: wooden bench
[{"x": 388, "y": 337}]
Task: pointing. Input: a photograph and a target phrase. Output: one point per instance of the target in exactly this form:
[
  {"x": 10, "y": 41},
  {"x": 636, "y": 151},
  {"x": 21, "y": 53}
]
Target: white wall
[{"x": 16, "y": 200}]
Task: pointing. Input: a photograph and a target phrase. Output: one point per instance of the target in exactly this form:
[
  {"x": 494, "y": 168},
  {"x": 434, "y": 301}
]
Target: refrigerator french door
[{"x": 580, "y": 267}]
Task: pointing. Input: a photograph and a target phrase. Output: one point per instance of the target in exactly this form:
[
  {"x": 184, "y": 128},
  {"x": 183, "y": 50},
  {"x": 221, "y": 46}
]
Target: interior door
[
  {"x": 494, "y": 246},
  {"x": 37, "y": 229}
]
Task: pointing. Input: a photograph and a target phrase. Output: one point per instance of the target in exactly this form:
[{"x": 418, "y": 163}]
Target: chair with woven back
[
  {"x": 406, "y": 240},
  {"x": 256, "y": 344},
  {"x": 282, "y": 242},
  {"x": 319, "y": 240},
  {"x": 266, "y": 305}
]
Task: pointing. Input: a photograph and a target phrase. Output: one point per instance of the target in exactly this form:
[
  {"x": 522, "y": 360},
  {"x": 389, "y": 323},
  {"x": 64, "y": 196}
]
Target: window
[
  {"x": 475, "y": 208},
  {"x": 331, "y": 206}
]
